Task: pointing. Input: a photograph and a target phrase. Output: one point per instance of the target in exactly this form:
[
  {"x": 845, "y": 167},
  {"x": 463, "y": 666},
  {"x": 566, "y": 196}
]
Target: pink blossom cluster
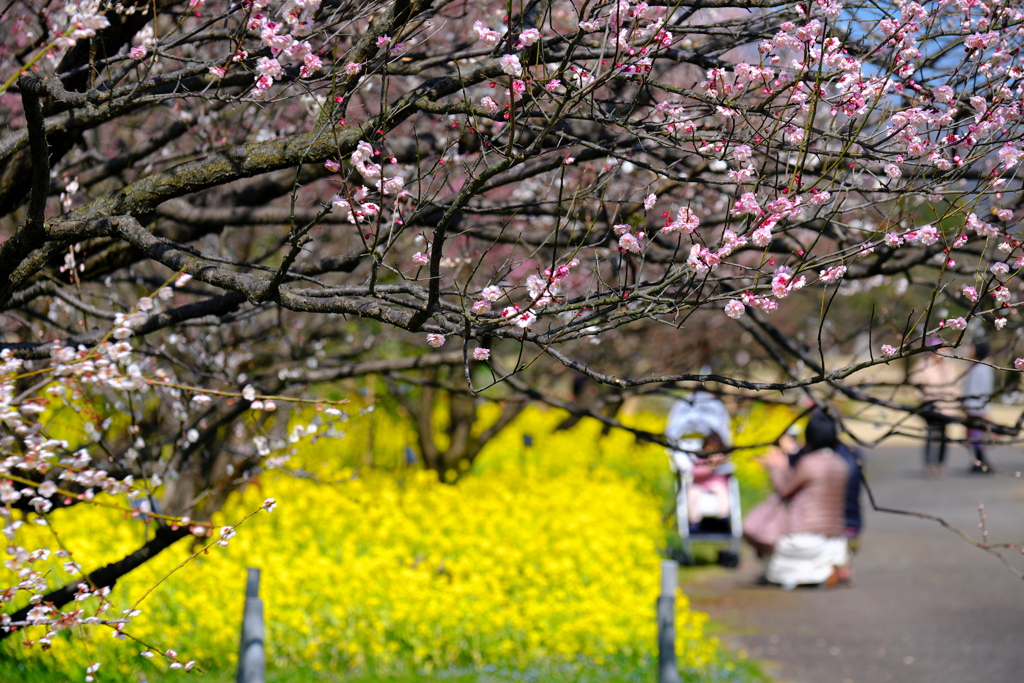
[
  {"x": 628, "y": 241},
  {"x": 744, "y": 76},
  {"x": 285, "y": 40},
  {"x": 510, "y": 65},
  {"x": 1001, "y": 294},
  {"x": 527, "y": 38},
  {"x": 761, "y": 303},
  {"x": 731, "y": 242},
  {"x": 486, "y": 35},
  {"x": 747, "y": 204},
  {"x": 735, "y": 309},
  {"x": 958, "y": 323},
  {"x": 980, "y": 227},
  {"x": 638, "y": 29},
  {"x": 488, "y": 296},
  {"x": 141, "y": 43},
  {"x": 832, "y": 274},
  {"x": 676, "y": 118},
  {"x": 543, "y": 290},
  {"x": 356, "y": 208},
  {"x": 516, "y": 92},
  {"x": 491, "y": 37},
  {"x": 686, "y": 221},
  {"x": 783, "y": 282},
  {"x": 80, "y": 20},
  {"x": 702, "y": 260},
  {"x": 521, "y": 318}
]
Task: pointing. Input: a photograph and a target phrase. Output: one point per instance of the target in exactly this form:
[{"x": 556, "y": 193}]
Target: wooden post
[
  {"x": 668, "y": 670},
  {"x": 252, "y": 658}
]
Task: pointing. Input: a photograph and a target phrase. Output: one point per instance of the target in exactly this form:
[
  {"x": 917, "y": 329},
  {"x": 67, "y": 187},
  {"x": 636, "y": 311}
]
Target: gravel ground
[{"x": 925, "y": 607}]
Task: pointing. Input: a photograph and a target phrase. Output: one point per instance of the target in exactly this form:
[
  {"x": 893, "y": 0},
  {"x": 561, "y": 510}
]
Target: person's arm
[{"x": 786, "y": 480}]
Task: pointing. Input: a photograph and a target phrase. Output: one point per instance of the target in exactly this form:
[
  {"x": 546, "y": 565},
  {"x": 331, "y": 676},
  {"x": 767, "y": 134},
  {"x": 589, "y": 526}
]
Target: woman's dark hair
[{"x": 821, "y": 431}]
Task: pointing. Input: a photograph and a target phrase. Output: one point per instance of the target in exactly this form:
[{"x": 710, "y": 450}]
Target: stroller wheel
[
  {"x": 728, "y": 559},
  {"x": 684, "y": 558}
]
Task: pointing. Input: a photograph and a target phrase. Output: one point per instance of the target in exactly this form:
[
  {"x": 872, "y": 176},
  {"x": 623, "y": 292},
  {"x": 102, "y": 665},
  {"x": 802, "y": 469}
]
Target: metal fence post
[
  {"x": 251, "y": 657},
  {"x": 668, "y": 670}
]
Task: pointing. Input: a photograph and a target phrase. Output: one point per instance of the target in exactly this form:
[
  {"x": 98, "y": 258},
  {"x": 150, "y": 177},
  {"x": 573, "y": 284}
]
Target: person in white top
[{"x": 978, "y": 386}]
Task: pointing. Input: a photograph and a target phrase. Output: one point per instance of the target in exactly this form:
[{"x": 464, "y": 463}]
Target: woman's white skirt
[{"x": 806, "y": 559}]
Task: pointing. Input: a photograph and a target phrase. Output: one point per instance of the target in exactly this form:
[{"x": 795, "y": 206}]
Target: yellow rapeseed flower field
[{"x": 544, "y": 554}]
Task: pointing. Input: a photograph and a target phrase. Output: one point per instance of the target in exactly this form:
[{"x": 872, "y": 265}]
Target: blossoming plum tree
[{"x": 209, "y": 206}]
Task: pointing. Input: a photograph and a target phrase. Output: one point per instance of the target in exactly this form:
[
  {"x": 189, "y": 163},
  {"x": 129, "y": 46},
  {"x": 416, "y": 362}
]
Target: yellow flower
[{"x": 547, "y": 554}]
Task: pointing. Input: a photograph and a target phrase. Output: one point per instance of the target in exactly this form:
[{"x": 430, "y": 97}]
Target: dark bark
[{"x": 457, "y": 458}]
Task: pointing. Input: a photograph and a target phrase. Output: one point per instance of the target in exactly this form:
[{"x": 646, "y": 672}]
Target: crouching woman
[{"x": 812, "y": 481}]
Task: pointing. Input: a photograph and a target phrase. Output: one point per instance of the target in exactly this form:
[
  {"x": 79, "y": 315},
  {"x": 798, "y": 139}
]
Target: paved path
[{"x": 926, "y": 606}]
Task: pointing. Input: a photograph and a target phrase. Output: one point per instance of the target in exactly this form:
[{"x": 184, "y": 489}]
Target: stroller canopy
[
  {"x": 699, "y": 416},
  {"x": 693, "y": 419}
]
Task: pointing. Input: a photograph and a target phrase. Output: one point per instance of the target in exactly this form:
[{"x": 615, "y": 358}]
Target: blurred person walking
[
  {"x": 936, "y": 376},
  {"x": 978, "y": 386}
]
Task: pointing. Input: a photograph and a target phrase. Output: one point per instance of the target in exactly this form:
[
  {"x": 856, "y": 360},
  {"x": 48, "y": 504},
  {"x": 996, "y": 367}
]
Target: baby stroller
[{"x": 708, "y": 496}]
